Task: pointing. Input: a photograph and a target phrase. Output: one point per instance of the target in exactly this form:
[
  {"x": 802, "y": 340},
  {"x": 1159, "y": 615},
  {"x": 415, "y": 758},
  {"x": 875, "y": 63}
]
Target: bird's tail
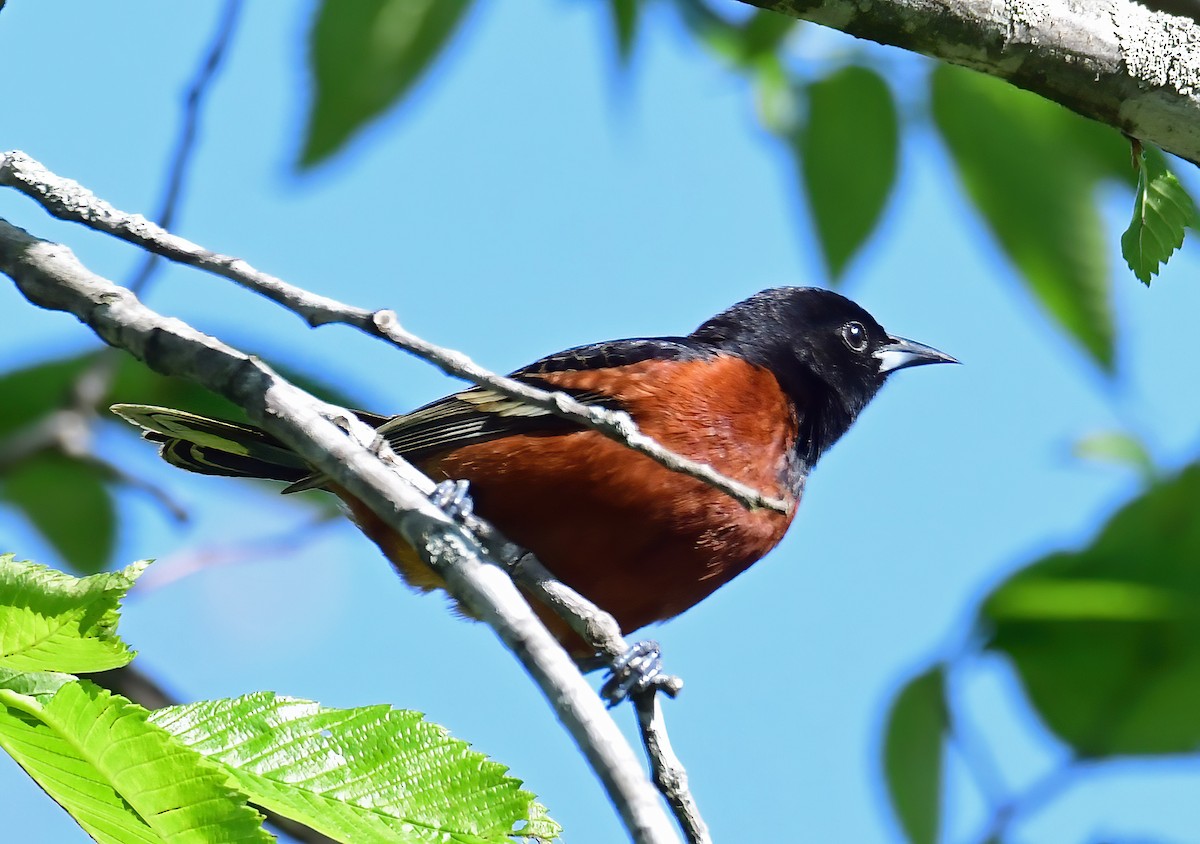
[{"x": 214, "y": 446}]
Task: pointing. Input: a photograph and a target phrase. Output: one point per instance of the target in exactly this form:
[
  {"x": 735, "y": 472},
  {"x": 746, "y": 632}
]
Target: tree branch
[
  {"x": 50, "y": 276},
  {"x": 1117, "y": 61},
  {"x": 68, "y": 200}
]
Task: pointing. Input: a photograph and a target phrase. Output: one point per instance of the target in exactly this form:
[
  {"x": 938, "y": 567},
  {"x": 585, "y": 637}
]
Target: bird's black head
[{"x": 829, "y": 355}]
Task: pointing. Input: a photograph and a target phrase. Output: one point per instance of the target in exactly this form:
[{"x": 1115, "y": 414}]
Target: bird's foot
[
  {"x": 637, "y": 670},
  {"x": 453, "y": 498}
]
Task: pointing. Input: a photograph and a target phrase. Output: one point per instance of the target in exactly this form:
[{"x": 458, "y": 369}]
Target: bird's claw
[
  {"x": 453, "y": 498},
  {"x": 637, "y": 670}
]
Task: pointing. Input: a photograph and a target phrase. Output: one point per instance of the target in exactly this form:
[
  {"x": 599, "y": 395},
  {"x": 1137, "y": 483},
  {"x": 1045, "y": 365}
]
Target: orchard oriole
[{"x": 759, "y": 392}]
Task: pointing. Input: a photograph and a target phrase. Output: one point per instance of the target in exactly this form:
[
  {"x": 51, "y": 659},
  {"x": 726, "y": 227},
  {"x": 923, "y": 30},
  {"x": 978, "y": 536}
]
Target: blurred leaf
[
  {"x": 68, "y": 503},
  {"x": 372, "y": 774},
  {"x": 121, "y": 778},
  {"x": 1031, "y": 168},
  {"x": 912, "y": 755},
  {"x": 625, "y": 21},
  {"x": 1162, "y": 212},
  {"x": 1118, "y": 447},
  {"x": 848, "y": 150},
  {"x": 33, "y": 392},
  {"x": 743, "y": 44},
  {"x": 763, "y": 34},
  {"x": 51, "y": 621},
  {"x": 364, "y": 57},
  {"x": 1106, "y": 640}
]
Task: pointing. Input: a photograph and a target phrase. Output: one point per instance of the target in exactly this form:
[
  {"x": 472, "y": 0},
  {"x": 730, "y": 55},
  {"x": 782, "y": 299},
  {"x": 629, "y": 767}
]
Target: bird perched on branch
[{"x": 759, "y": 392}]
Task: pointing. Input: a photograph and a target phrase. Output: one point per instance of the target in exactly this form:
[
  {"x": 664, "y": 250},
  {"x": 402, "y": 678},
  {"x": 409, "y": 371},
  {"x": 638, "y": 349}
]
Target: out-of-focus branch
[
  {"x": 69, "y": 200},
  {"x": 1117, "y": 62},
  {"x": 50, "y": 276},
  {"x": 185, "y": 144}
]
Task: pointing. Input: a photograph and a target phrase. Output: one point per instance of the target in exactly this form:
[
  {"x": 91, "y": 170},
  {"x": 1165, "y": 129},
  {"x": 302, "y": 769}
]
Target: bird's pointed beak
[{"x": 901, "y": 353}]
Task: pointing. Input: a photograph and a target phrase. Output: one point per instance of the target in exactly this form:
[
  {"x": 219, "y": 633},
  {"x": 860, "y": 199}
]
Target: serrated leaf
[
  {"x": 70, "y": 505},
  {"x": 1162, "y": 212},
  {"x": 121, "y": 778},
  {"x": 1106, "y": 640},
  {"x": 848, "y": 149},
  {"x": 912, "y": 755},
  {"x": 51, "y": 621},
  {"x": 625, "y": 21},
  {"x": 37, "y": 684},
  {"x": 364, "y": 57},
  {"x": 1031, "y": 168},
  {"x": 1118, "y": 447},
  {"x": 372, "y": 774}
]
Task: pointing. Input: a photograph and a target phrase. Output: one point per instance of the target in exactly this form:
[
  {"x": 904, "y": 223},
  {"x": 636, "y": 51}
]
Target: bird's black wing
[{"x": 478, "y": 415}]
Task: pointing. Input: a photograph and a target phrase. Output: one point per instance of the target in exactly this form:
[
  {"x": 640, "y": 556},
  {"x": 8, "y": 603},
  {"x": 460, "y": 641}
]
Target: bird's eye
[{"x": 855, "y": 336}]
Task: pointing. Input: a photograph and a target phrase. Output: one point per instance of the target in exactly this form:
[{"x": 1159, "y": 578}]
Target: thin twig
[
  {"x": 1040, "y": 792},
  {"x": 68, "y": 200},
  {"x": 974, "y": 752},
  {"x": 669, "y": 774},
  {"x": 194, "y": 560},
  {"x": 50, "y": 276},
  {"x": 185, "y": 143}
]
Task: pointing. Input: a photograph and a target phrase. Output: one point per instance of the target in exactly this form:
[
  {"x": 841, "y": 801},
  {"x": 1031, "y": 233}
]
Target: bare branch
[
  {"x": 669, "y": 773},
  {"x": 50, "y": 276},
  {"x": 1116, "y": 62},
  {"x": 69, "y": 200},
  {"x": 185, "y": 144}
]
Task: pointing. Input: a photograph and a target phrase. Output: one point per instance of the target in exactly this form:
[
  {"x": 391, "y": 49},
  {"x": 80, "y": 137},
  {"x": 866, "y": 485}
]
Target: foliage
[
  {"x": 1162, "y": 211},
  {"x": 66, "y": 494},
  {"x": 912, "y": 755},
  {"x": 189, "y": 773},
  {"x": 1105, "y": 641}
]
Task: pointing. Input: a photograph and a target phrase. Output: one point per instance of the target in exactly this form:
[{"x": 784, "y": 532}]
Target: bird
[{"x": 759, "y": 392}]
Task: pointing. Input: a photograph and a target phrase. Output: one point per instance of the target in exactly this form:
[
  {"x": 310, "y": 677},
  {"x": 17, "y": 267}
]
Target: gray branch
[
  {"x": 68, "y": 200},
  {"x": 1115, "y": 61},
  {"x": 50, "y": 276}
]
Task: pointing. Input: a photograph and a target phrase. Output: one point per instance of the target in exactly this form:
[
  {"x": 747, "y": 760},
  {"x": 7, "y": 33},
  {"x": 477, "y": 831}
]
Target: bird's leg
[
  {"x": 638, "y": 669},
  {"x": 454, "y": 499}
]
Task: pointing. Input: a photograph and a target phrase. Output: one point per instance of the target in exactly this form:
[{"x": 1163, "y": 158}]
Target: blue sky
[{"x": 528, "y": 198}]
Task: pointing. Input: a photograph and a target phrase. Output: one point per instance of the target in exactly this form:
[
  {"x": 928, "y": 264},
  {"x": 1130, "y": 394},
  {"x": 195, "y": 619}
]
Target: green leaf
[
  {"x": 69, "y": 504},
  {"x": 1106, "y": 640},
  {"x": 1162, "y": 211},
  {"x": 1031, "y": 168},
  {"x": 122, "y": 779},
  {"x": 373, "y": 774},
  {"x": 365, "y": 56},
  {"x": 848, "y": 150},
  {"x": 38, "y": 684},
  {"x": 625, "y": 21},
  {"x": 912, "y": 755},
  {"x": 1118, "y": 447},
  {"x": 763, "y": 34},
  {"x": 50, "y": 621},
  {"x": 34, "y": 391}
]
